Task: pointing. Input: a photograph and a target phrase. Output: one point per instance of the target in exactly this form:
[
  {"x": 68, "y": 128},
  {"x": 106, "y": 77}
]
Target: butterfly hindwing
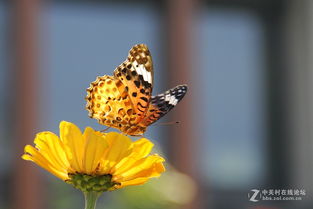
[
  {"x": 163, "y": 103},
  {"x": 107, "y": 104},
  {"x": 136, "y": 72}
]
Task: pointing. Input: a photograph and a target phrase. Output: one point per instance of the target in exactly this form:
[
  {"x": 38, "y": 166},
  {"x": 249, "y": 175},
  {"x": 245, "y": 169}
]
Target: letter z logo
[{"x": 253, "y": 197}]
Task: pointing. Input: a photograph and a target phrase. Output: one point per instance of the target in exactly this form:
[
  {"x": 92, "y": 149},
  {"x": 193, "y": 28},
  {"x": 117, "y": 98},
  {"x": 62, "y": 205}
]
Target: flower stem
[{"x": 91, "y": 199}]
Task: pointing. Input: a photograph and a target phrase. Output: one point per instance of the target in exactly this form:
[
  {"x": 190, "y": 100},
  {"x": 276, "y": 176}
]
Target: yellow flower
[{"x": 94, "y": 161}]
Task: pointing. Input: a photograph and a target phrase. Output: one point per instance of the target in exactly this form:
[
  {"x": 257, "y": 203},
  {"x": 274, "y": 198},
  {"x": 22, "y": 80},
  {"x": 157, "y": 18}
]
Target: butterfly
[{"x": 124, "y": 101}]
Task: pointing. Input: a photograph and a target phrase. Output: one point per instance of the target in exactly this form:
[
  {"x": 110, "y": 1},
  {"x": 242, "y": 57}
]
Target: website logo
[{"x": 254, "y": 195}]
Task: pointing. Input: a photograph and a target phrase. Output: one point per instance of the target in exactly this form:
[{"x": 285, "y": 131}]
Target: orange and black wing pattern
[{"x": 163, "y": 103}]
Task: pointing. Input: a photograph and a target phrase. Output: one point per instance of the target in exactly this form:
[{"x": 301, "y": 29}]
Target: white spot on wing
[
  {"x": 171, "y": 99},
  {"x": 149, "y": 78},
  {"x": 145, "y": 76},
  {"x": 138, "y": 69},
  {"x": 141, "y": 70}
]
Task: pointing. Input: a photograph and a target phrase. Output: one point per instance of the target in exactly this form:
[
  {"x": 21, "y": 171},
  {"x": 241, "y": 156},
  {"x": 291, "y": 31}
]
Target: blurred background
[{"x": 246, "y": 122}]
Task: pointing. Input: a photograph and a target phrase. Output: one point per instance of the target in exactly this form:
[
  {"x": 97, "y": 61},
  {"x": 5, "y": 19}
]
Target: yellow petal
[
  {"x": 119, "y": 147},
  {"x": 137, "y": 181},
  {"x": 51, "y": 148},
  {"x": 95, "y": 148},
  {"x": 34, "y": 155},
  {"x": 140, "y": 149},
  {"x": 150, "y": 166},
  {"x": 74, "y": 142}
]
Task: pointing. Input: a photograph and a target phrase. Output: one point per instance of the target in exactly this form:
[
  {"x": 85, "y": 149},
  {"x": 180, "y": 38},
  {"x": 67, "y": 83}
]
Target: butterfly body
[{"x": 124, "y": 100}]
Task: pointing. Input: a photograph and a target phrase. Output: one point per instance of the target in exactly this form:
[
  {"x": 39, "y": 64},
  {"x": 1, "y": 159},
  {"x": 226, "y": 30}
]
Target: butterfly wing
[
  {"x": 108, "y": 102},
  {"x": 163, "y": 103},
  {"x": 136, "y": 72}
]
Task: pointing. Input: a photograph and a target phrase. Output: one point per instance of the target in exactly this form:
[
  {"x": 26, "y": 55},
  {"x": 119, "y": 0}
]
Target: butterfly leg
[
  {"x": 139, "y": 135},
  {"x": 104, "y": 130}
]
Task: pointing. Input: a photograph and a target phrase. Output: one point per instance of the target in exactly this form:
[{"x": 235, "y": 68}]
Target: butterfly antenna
[{"x": 167, "y": 123}]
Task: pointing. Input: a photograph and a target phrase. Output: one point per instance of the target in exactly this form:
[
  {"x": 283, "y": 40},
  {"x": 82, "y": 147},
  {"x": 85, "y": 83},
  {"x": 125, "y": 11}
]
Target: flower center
[{"x": 87, "y": 183}]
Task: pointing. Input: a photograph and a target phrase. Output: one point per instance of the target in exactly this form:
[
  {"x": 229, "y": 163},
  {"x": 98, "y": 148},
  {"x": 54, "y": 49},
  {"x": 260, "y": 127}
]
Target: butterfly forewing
[
  {"x": 136, "y": 73},
  {"x": 163, "y": 103}
]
